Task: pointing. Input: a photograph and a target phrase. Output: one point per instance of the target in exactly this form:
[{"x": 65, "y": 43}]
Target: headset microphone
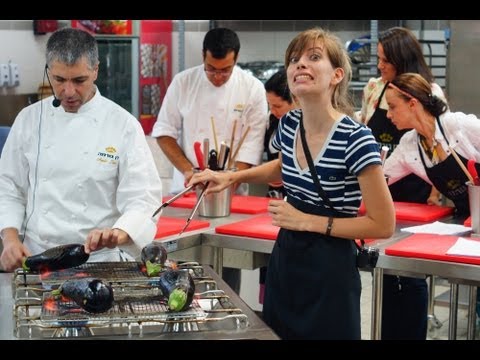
[{"x": 56, "y": 102}]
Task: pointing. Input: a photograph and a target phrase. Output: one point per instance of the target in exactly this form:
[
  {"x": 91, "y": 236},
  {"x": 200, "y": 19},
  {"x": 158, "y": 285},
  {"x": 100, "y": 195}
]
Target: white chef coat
[
  {"x": 69, "y": 173},
  {"x": 191, "y": 100},
  {"x": 462, "y": 132}
]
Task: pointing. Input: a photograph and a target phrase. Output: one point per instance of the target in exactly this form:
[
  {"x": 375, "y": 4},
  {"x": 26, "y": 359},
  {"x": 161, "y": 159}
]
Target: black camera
[{"x": 367, "y": 257}]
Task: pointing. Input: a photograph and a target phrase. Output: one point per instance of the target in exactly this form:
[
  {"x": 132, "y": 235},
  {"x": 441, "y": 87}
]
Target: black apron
[
  {"x": 313, "y": 286},
  {"x": 449, "y": 178},
  {"x": 411, "y": 188}
]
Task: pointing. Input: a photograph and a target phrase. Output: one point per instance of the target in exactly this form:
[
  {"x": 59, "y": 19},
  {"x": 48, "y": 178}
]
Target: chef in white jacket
[
  {"x": 76, "y": 167},
  {"x": 216, "y": 90}
]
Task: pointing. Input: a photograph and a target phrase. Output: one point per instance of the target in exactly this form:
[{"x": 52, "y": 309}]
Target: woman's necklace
[{"x": 430, "y": 151}]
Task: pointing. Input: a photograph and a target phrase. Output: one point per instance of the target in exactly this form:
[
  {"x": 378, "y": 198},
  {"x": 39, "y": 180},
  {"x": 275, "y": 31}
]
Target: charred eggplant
[
  {"x": 57, "y": 258},
  {"x": 92, "y": 295},
  {"x": 154, "y": 256},
  {"x": 178, "y": 287}
]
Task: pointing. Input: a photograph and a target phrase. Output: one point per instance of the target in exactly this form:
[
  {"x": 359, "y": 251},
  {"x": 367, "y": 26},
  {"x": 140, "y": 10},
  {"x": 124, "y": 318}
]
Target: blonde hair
[{"x": 338, "y": 57}]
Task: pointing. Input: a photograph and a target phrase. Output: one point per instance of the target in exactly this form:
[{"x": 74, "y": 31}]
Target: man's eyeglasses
[{"x": 222, "y": 73}]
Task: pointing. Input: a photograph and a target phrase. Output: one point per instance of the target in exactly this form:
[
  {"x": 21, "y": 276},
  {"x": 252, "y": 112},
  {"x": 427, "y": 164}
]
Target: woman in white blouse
[{"x": 426, "y": 151}]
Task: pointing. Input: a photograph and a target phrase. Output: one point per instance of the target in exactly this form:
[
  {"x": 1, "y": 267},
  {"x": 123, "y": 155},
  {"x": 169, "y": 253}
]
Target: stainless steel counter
[
  {"x": 456, "y": 273},
  {"x": 207, "y": 247}
]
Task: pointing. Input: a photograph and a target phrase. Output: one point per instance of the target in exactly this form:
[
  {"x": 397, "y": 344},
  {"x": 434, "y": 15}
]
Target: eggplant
[
  {"x": 154, "y": 256},
  {"x": 57, "y": 258},
  {"x": 178, "y": 287},
  {"x": 91, "y": 294}
]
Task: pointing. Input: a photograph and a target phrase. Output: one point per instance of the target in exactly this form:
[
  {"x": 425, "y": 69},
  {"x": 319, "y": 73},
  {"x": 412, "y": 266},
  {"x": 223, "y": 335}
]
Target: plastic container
[{"x": 474, "y": 200}]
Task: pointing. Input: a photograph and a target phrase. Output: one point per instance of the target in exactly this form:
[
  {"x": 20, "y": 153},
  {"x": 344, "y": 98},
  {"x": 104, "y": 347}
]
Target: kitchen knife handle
[
  {"x": 206, "y": 151},
  {"x": 199, "y": 155}
]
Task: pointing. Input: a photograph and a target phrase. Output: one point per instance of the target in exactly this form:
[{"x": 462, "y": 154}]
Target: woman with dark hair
[
  {"x": 398, "y": 52},
  {"x": 280, "y": 102},
  {"x": 405, "y": 299}
]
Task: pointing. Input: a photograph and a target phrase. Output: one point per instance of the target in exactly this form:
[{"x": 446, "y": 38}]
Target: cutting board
[
  {"x": 240, "y": 204},
  {"x": 416, "y": 212},
  {"x": 257, "y": 227},
  {"x": 468, "y": 222},
  {"x": 167, "y": 226},
  {"x": 428, "y": 246}
]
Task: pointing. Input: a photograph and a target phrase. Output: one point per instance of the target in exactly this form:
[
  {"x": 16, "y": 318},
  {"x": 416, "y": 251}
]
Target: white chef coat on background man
[
  {"x": 191, "y": 100},
  {"x": 76, "y": 172}
]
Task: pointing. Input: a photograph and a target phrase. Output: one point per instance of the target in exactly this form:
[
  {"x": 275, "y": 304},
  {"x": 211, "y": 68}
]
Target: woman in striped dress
[{"x": 313, "y": 285}]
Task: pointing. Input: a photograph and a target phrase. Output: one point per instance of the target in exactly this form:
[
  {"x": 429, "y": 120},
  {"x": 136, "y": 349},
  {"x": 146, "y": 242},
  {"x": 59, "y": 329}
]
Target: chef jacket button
[
  {"x": 44, "y": 179},
  {"x": 47, "y": 146},
  {"x": 45, "y": 211},
  {"x": 72, "y": 216}
]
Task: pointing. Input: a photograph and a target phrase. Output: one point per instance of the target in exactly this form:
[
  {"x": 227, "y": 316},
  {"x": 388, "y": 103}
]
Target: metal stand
[
  {"x": 452, "y": 326},
  {"x": 472, "y": 313},
  {"x": 433, "y": 322},
  {"x": 377, "y": 298}
]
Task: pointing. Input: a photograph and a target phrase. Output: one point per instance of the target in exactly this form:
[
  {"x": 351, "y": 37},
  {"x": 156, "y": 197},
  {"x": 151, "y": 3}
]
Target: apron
[
  {"x": 313, "y": 286},
  {"x": 411, "y": 188},
  {"x": 449, "y": 179}
]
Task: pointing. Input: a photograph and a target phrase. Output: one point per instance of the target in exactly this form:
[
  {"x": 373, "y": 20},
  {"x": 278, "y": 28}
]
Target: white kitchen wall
[{"x": 27, "y": 50}]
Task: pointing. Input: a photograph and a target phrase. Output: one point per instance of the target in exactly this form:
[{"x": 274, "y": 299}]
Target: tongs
[
  {"x": 168, "y": 202},
  {"x": 180, "y": 194},
  {"x": 195, "y": 208}
]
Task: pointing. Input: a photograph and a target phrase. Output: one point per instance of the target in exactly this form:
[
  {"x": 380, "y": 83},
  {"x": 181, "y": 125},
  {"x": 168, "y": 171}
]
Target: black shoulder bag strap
[
  {"x": 320, "y": 190},
  {"x": 308, "y": 156}
]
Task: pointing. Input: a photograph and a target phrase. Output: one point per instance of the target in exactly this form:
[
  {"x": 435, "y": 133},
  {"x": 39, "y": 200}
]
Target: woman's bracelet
[{"x": 329, "y": 226}]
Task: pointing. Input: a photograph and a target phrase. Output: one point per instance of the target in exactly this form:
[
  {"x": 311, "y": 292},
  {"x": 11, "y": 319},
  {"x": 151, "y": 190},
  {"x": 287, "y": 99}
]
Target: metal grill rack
[{"x": 138, "y": 308}]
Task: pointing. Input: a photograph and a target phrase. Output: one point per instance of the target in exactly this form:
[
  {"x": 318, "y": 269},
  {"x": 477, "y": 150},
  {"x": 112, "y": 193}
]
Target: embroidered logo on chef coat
[
  {"x": 108, "y": 156},
  {"x": 239, "y": 109}
]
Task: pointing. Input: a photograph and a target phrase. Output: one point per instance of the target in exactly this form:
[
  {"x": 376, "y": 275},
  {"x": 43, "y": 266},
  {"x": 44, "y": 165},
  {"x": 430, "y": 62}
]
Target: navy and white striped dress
[
  {"x": 313, "y": 287},
  {"x": 349, "y": 148}
]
